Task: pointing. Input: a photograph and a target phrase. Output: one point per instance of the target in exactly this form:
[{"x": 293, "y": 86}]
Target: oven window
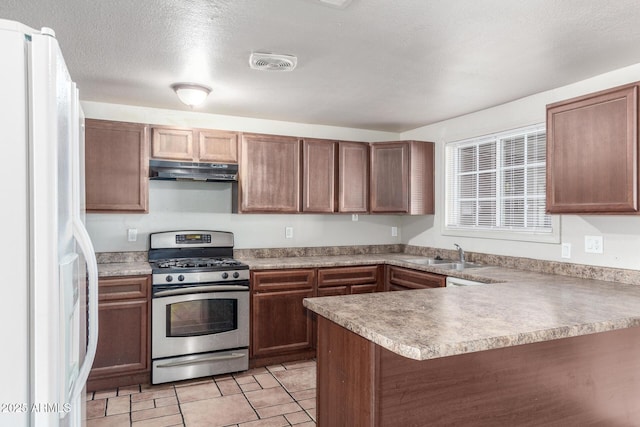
[{"x": 202, "y": 317}]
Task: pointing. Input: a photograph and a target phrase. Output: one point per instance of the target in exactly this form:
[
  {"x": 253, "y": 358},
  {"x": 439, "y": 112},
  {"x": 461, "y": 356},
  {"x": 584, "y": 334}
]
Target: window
[{"x": 497, "y": 183}]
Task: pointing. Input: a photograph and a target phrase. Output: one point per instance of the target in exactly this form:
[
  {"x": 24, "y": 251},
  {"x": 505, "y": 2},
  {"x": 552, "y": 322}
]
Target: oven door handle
[
  {"x": 203, "y": 360},
  {"x": 193, "y": 289}
]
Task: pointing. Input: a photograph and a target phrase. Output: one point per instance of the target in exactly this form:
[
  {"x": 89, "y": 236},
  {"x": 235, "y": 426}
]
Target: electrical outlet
[
  {"x": 288, "y": 232},
  {"x": 132, "y": 234},
  {"x": 566, "y": 250},
  {"x": 394, "y": 231},
  {"x": 593, "y": 244},
  {"x": 354, "y": 217}
]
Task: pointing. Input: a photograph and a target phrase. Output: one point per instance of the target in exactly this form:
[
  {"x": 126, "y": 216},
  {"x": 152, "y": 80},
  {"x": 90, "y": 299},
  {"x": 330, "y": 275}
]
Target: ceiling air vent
[{"x": 272, "y": 62}]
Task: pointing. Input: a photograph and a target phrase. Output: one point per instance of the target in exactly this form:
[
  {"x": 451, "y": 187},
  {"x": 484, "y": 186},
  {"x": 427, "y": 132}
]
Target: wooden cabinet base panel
[
  {"x": 586, "y": 380},
  {"x": 98, "y": 384}
]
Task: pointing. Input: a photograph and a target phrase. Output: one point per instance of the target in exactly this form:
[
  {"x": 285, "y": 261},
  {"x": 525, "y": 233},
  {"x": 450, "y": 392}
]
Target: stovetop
[
  {"x": 194, "y": 256},
  {"x": 211, "y": 264}
]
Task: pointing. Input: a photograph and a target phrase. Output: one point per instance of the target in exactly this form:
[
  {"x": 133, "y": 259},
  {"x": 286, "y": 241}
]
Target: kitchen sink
[
  {"x": 445, "y": 264},
  {"x": 460, "y": 265},
  {"x": 430, "y": 261}
]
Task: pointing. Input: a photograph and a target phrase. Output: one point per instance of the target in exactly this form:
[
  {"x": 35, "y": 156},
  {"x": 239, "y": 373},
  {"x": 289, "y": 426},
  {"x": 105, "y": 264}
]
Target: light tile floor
[{"x": 275, "y": 396}]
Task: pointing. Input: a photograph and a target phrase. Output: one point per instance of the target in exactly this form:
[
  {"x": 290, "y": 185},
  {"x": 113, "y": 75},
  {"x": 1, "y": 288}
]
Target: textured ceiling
[{"x": 377, "y": 64}]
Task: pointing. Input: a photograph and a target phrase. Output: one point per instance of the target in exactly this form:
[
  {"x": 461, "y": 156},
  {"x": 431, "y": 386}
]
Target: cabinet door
[
  {"x": 280, "y": 324},
  {"x": 218, "y": 146},
  {"x": 116, "y": 166},
  {"x": 390, "y": 177},
  {"x": 318, "y": 175},
  {"x": 172, "y": 144},
  {"x": 123, "y": 340},
  {"x": 269, "y": 174},
  {"x": 353, "y": 177},
  {"x": 592, "y": 153},
  {"x": 399, "y": 278}
]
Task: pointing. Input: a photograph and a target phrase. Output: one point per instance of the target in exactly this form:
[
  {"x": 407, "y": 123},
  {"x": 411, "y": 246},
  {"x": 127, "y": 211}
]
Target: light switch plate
[
  {"x": 132, "y": 234},
  {"x": 394, "y": 231},
  {"x": 566, "y": 250},
  {"x": 593, "y": 244},
  {"x": 288, "y": 232}
]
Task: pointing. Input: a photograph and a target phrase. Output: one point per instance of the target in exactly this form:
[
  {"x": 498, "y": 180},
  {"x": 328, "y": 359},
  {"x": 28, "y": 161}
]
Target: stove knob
[
  {"x": 169, "y": 278},
  {"x": 181, "y": 278},
  {"x": 225, "y": 275},
  {"x": 236, "y": 275}
]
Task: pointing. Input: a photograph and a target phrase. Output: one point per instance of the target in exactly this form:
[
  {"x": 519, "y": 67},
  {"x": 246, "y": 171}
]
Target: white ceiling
[{"x": 378, "y": 64}]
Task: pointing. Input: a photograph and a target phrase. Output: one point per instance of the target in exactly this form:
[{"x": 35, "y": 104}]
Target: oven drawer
[{"x": 199, "y": 365}]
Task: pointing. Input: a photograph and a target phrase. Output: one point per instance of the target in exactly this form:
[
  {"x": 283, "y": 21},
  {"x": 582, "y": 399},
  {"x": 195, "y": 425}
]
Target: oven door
[{"x": 199, "y": 322}]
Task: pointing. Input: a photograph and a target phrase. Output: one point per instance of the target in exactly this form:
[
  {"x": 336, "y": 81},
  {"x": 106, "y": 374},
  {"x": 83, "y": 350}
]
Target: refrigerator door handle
[{"x": 84, "y": 241}]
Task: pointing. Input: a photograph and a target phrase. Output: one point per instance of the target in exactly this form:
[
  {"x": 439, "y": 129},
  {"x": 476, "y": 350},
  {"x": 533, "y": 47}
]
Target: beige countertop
[
  {"x": 113, "y": 269},
  {"x": 515, "y": 307},
  {"x": 527, "y": 308}
]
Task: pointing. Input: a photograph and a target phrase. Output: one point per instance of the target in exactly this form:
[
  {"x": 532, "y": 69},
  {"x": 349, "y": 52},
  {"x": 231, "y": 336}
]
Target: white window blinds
[{"x": 497, "y": 182}]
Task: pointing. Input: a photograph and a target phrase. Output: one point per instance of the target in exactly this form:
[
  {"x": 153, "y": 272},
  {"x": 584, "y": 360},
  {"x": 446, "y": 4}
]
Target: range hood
[{"x": 191, "y": 171}]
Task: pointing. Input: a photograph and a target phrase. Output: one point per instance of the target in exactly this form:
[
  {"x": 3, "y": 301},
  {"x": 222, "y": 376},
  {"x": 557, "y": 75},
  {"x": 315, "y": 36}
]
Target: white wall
[
  {"x": 175, "y": 205},
  {"x": 197, "y": 205},
  {"x": 621, "y": 233}
]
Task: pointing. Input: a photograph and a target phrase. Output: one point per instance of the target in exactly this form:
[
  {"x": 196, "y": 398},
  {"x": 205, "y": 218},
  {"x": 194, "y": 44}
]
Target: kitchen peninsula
[{"x": 538, "y": 351}]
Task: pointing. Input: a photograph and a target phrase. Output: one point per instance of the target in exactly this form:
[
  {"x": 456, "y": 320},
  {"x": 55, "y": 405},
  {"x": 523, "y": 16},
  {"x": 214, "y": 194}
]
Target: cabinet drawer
[
  {"x": 344, "y": 276},
  {"x": 363, "y": 289},
  {"x": 282, "y": 280},
  {"x": 119, "y": 288},
  {"x": 411, "y": 279},
  {"x": 333, "y": 290}
]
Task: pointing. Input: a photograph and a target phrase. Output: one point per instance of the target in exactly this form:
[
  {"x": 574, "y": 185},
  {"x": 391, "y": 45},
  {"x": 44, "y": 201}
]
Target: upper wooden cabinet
[
  {"x": 402, "y": 177},
  {"x": 194, "y": 145},
  {"x": 116, "y": 166},
  {"x": 353, "y": 177},
  {"x": 335, "y": 176},
  {"x": 172, "y": 144},
  {"x": 592, "y": 153},
  {"x": 318, "y": 175},
  {"x": 269, "y": 174},
  {"x": 217, "y": 146}
]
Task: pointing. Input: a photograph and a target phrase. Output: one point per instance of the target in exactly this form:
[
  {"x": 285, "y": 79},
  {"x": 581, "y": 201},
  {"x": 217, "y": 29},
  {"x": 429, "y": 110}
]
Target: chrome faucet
[{"x": 460, "y": 252}]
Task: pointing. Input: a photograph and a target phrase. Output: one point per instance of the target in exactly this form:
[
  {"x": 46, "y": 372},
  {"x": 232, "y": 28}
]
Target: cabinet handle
[
  {"x": 196, "y": 289},
  {"x": 204, "y": 360}
]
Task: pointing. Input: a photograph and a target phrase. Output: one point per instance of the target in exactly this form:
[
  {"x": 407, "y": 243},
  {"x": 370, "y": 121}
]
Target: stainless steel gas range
[{"x": 200, "y": 306}]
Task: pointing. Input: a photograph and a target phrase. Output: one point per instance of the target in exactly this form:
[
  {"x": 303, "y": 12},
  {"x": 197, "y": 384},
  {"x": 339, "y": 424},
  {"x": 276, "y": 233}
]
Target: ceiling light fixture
[{"x": 191, "y": 94}]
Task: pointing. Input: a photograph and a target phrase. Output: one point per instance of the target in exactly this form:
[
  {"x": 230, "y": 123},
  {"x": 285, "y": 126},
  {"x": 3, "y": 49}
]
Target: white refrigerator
[{"x": 48, "y": 311}]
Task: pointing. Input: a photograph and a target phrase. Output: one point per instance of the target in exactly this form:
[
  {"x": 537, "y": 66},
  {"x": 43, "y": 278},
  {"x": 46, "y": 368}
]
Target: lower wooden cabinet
[
  {"x": 402, "y": 279},
  {"x": 123, "y": 354},
  {"x": 281, "y": 327}
]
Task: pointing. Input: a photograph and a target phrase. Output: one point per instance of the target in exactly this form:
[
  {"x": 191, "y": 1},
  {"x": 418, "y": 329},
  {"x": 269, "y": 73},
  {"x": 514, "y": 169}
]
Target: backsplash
[
  {"x": 318, "y": 251},
  {"x": 114, "y": 257}
]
